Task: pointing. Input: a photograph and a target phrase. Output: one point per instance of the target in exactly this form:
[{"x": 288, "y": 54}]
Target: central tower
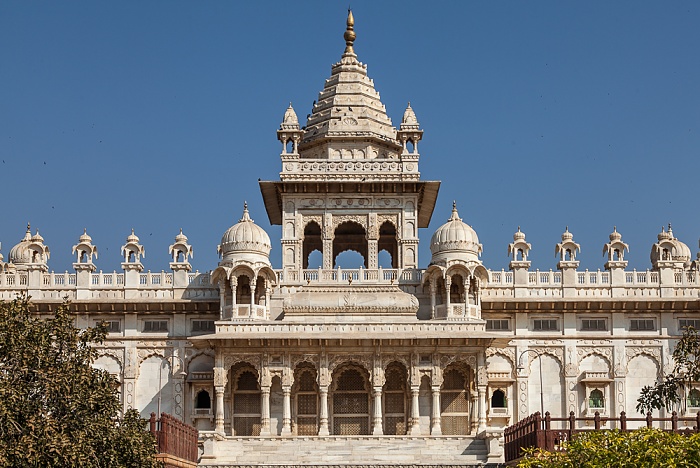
[{"x": 349, "y": 179}]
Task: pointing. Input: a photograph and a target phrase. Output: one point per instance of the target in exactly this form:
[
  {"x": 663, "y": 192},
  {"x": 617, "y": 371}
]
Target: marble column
[
  {"x": 265, "y": 411},
  {"x": 433, "y": 291},
  {"x": 435, "y": 428},
  {"x": 323, "y": 416},
  {"x": 286, "y": 411},
  {"x": 219, "y": 409},
  {"x": 222, "y": 299},
  {"x": 482, "y": 409},
  {"x": 415, "y": 413},
  {"x": 377, "y": 428}
]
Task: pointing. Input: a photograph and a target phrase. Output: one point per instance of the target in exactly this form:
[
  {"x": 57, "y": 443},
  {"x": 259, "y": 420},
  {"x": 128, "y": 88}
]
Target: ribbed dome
[
  {"x": 245, "y": 237},
  {"x": 85, "y": 238},
  {"x": 20, "y": 253},
  {"x": 455, "y": 240},
  {"x": 615, "y": 236},
  {"x": 181, "y": 237},
  {"x": 132, "y": 238},
  {"x": 519, "y": 235}
]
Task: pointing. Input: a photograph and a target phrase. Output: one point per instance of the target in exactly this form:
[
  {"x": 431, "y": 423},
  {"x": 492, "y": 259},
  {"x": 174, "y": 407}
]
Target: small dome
[
  {"x": 615, "y": 236},
  {"x": 519, "y": 235},
  {"x": 20, "y": 253},
  {"x": 663, "y": 235},
  {"x": 37, "y": 238},
  {"x": 245, "y": 237},
  {"x": 181, "y": 238},
  {"x": 566, "y": 236},
  {"x": 290, "y": 121},
  {"x": 85, "y": 238},
  {"x": 455, "y": 240},
  {"x": 133, "y": 238}
]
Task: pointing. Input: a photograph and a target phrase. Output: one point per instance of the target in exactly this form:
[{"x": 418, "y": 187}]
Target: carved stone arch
[
  {"x": 478, "y": 271},
  {"x": 357, "y": 219},
  {"x": 654, "y": 353},
  {"x": 508, "y": 353},
  {"x": 467, "y": 359},
  {"x": 268, "y": 274},
  {"x": 117, "y": 355},
  {"x": 358, "y": 360},
  {"x": 146, "y": 353},
  {"x": 432, "y": 273},
  {"x": 245, "y": 367},
  {"x": 243, "y": 270},
  {"x": 457, "y": 269},
  {"x": 297, "y": 359},
  {"x": 403, "y": 359},
  {"x": 252, "y": 359},
  {"x": 556, "y": 353},
  {"x": 221, "y": 273},
  {"x": 191, "y": 353},
  {"x": 605, "y": 353}
]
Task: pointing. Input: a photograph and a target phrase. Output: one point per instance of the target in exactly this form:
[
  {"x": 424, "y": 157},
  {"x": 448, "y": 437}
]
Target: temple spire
[{"x": 349, "y": 35}]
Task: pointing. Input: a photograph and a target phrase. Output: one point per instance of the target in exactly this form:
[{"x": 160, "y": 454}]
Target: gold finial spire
[{"x": 349, "y": 35}]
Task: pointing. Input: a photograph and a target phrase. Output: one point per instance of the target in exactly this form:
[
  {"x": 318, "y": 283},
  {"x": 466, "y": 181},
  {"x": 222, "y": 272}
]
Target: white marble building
[{"x": 412, "y": 364}]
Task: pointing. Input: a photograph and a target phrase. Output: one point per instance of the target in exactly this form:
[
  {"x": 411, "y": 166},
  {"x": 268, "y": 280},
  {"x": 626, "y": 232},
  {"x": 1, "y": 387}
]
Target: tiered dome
[
  {"x": 245, "y": 239},
  {"x": 455, "y": 240}
]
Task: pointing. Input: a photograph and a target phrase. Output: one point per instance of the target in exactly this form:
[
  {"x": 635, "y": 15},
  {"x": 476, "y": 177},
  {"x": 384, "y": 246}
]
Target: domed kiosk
[{"x": 244, "y": 275}]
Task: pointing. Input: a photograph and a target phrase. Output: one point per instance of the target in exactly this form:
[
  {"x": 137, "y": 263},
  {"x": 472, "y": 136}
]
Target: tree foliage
[
  {"x": 670, "y": 391},
  {"x": 55, "y": 408},
  {"x": 643, "y": 448}
]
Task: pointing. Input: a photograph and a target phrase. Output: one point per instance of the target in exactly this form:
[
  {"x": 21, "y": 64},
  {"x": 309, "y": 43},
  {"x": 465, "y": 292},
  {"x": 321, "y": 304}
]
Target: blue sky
[{"x": 162, "y": 115}]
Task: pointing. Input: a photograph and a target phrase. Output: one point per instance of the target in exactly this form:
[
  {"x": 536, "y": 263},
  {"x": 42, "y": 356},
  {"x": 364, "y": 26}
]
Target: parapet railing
[
  {"x": 175, "y": 439},
  {"x": 536, "y": 431}
]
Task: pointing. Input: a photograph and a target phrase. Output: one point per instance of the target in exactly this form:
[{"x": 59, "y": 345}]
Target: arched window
[
  {"x": 596, "y": 400},
  {"x": 351, "y": 402},
  {"x": 306, "y": 395},
  {"x": 312, "y": 242},
  {"x": 498, "y": 399},
  {"x": 202, "y": 403},
  {"x": 246, "y": 404},
  {"x": 394, "y": 395},
  {"x": 388, "y": 241},
  {"x": 350, "y": 236},
  {"x": 454, "y": 402}
]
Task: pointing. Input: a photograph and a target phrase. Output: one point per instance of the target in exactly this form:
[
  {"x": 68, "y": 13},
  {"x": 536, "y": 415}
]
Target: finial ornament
[{"x": 349, "y": 35}]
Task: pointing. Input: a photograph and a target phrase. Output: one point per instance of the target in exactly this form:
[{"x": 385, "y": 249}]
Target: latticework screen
[
  {"x": 394, "y": 425},
  {"x": 394, "y": 402},
  {"x": 246, "y": 426},
  {"x": 306, "y": 426},
  {"x": 351, "y": 426},
  {"x": 454, "y": 404},
  {"x": 246, "y": 403},
  {"x": 306, "y": 404}
]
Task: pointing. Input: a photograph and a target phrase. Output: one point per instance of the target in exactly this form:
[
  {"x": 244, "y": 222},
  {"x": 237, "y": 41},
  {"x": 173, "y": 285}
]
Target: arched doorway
[
  {"x": 246, "y": 401},
  {"x": 388, "y": 242},
  {"x": 350, "y": 401},
  {"x": 394, "y": 395},
  {"x": 350, "y": 236},
  {"x": 454, "y": 401},
  {"x": 312, "y": 242}
]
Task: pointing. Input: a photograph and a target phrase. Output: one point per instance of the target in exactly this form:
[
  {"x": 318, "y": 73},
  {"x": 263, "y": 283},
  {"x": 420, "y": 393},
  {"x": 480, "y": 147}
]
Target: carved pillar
[
  {"x": 222, "y": 299},
  {"x": 323, "y": 417},
  {"x": 467, "y": 312},
  {"x": 286, "y": 411},
  {"x": 265, "y": 411},
  {"x": 372, "y": 254},
  {"x": 474, "y": 412},
  {"x": 448, "y": 286},
  {"x": 415, "y": 413},
  {"x": 377, "y": 428},
  {"x": 234, "y": 289},
  {"x": 219, "y": 391},
  {"x": 435, "y": 428},
  {"x": 482, "y": 409},
  {"x": 268, "y": 292},
  {"x": 433, "y": 291},
  {"x": 253, "y": 286}
]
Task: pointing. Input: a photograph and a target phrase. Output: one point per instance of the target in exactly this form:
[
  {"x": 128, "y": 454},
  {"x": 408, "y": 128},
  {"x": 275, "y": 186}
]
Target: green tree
[
  {"x": 670, "y": 391},
  {"x": 55, "y": 408},
  {"x": 643, "y": 448}
]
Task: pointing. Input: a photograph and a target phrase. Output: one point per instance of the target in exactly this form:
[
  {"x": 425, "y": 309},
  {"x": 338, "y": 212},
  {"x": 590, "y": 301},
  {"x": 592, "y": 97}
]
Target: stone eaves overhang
[
  {"x": 272, "y": 193},
  {"x": 614, "y": 305}
]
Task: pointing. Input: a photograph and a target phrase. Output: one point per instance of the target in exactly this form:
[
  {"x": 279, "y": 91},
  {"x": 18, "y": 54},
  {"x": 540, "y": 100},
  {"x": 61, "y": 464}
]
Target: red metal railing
[
  {"x": 174, "y": 437},
  {"x": 535, "y": 431}
]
